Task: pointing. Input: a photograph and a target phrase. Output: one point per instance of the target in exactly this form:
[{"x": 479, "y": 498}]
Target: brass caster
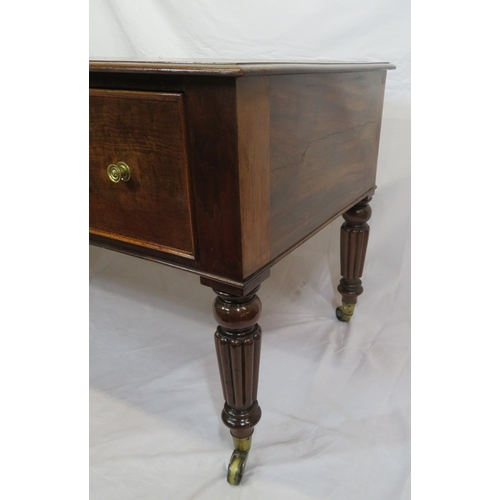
[
  {"x": 238, "y": 460},
  {"x": 345, "y": 312},
  {"x": 236, "y": 467}
]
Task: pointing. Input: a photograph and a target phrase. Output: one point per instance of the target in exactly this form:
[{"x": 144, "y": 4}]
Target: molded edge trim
[{"x": 235, "y": 69}]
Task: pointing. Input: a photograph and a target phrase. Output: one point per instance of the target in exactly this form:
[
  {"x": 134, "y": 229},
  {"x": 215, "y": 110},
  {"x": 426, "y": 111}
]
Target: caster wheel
[
  {"x": 344, "y": 313},
  {"x": 238, "y": 459},
  {"x": 236, "y": 467}
]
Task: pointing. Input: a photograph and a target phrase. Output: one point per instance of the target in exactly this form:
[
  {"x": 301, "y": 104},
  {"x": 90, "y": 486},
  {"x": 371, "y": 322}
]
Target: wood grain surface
[
  {"x": 146, "y": 131},
  {"x": 324, "y": 145},
  {"x": 254, "y": 170},
  {"x": 257, "y": 164},
  {"x": 234, "y": 68}
]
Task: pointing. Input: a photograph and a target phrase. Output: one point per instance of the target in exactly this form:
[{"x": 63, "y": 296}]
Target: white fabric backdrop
[{"x": 335, "y": 397}]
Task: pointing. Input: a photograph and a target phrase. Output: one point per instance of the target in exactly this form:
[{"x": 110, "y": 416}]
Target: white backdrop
[{"x": 335, "y": 397}]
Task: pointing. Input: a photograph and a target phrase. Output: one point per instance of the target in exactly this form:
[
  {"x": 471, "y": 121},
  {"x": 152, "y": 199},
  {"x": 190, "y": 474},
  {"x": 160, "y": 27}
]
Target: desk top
[{"x": 235, "y": 69}]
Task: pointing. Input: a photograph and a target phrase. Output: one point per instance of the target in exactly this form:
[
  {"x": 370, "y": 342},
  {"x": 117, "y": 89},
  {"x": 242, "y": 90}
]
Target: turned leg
[
  {"x": 237, "y": 343},
  {"x": 353, "y": 242}
]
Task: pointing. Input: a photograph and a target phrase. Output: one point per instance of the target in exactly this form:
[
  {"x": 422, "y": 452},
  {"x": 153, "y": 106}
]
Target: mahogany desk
[{"x": 222, "y": 170}]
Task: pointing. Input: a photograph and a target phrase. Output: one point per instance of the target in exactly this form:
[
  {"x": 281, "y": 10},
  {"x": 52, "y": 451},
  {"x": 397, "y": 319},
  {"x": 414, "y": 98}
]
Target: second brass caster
[
  {"x": 238, "y": 459},
  {"x": 345, "y": 312}
]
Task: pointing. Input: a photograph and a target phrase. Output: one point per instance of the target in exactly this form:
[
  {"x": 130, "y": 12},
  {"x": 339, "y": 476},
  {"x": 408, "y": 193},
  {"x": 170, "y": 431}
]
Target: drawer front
[{"x": 146, "y": 131}]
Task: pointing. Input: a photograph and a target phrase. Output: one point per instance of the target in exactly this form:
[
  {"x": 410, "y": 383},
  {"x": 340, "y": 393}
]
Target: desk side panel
[
  {"x": 325, "y": 131},
  {"x": 254, "y": 161},
  {"x": 211, "y": 119}
]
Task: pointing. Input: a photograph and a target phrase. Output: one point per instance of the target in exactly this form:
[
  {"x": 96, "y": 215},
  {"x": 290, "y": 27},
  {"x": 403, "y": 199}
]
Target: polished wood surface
[
  {"x": 237, "y": 344},
  {"x": 354, "y": 235},
  {"x": 253, "y": 119},
  {"x": 213, "y": 157},
  {"x": 235, "y": 69},
  {"x": 147, "y": 131},
  {"x": 325, "y": 133},
  {"x": 271, "y": 159}
]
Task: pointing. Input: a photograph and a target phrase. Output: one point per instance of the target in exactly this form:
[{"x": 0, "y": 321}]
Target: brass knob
[{"x": 119, "y": 172}]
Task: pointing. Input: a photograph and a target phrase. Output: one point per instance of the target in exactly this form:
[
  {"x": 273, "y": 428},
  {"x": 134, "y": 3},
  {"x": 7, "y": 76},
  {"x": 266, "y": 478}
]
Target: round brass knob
[{"x": 119, "y": 172}]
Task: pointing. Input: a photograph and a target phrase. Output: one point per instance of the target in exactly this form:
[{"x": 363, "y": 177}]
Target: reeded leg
[
  {"x": 237, "y": 343},
  {"x": 353, "y": 242}
]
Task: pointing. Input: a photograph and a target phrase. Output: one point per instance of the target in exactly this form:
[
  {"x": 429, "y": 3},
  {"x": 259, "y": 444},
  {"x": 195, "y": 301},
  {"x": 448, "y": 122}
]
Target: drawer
[{"x": 146, "y": 131}]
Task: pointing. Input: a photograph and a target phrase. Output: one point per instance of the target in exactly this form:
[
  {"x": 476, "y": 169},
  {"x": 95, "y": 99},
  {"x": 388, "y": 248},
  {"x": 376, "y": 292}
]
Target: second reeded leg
[
  {"x": 353, "y": 243},
  {"x": 237, "y": 343}
]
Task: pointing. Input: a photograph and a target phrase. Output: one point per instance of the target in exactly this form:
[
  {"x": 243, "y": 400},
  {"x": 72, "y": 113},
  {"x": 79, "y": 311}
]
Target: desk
[{"x": 222, "y": 170}]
